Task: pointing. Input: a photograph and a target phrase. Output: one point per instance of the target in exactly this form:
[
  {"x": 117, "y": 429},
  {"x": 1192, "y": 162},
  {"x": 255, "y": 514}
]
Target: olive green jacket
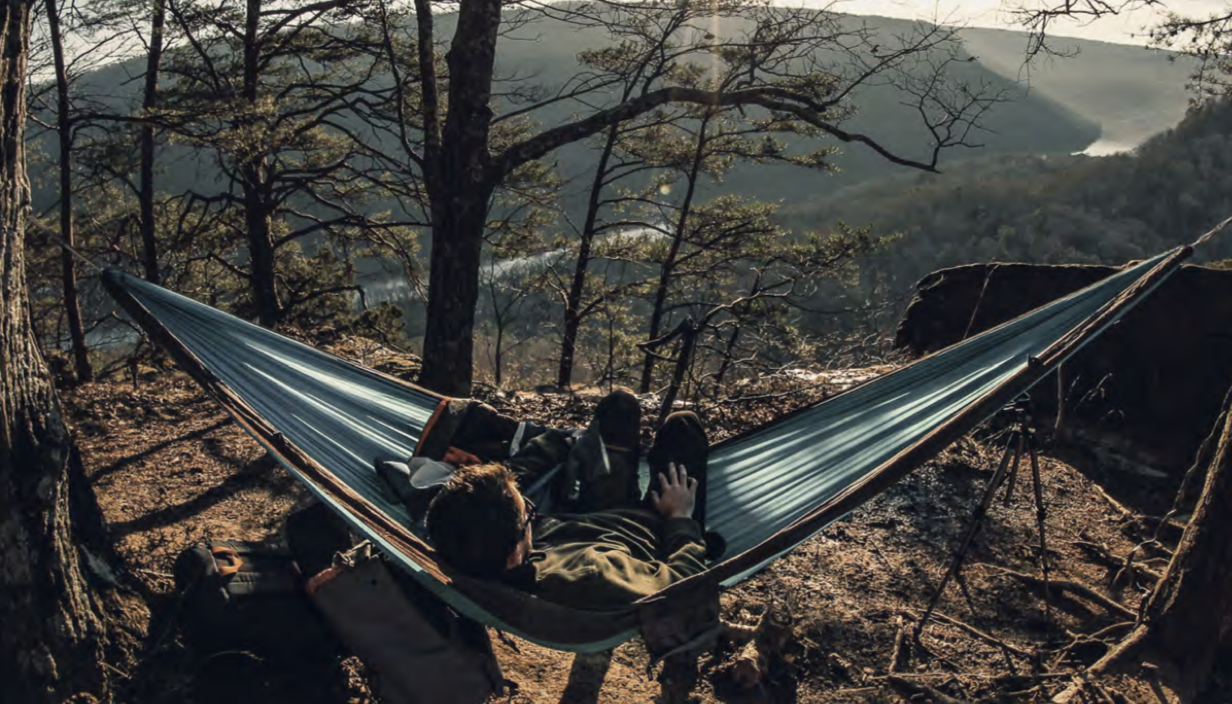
[{"x": 610, "y": 559}]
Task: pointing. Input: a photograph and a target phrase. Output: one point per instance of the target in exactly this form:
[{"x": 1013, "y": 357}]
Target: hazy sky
[{"x": 993, "y": 13}]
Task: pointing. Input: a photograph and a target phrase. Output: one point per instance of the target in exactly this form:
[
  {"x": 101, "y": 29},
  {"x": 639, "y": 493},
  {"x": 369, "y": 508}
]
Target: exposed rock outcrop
[{"x": 1144, "y": 394}]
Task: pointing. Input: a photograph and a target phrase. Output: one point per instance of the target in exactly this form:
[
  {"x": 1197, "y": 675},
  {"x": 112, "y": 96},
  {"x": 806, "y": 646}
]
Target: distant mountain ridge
[
  {"x": 1065, "y": 108},
  {"x": 1049, "y": 209},
  {"x": 1132, "y": 93}
]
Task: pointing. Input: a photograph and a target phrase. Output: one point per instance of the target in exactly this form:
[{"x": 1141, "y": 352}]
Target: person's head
[{"x": 478, "y": 521}]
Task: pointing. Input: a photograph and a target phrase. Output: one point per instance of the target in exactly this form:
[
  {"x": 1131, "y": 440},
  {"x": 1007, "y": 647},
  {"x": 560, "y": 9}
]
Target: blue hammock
[{"x": 769, "y": 490}]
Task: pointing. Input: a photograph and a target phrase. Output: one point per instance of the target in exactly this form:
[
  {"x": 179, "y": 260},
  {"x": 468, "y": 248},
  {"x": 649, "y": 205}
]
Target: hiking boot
[
  {"x": 484, "y": 433},
  {"x": 618, "y": 418},
  {"x": 608, "y": 474},
  {"x": 682, "y": 440}
]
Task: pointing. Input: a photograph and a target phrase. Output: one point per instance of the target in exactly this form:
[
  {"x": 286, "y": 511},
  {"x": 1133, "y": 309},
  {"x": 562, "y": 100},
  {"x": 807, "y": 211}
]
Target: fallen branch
[
  {"x": 913, "y": 692},
  {"x": 1103, "y": 632},
  {"x": 970, "y": 676},
  {"x": 856, "y": 690},
  {"x": 752, "y": 663},
  {"x": 1120, "y": 507},
  {"x": 898, "y": 657},
  {"x": 1075, "y": 588},
  {"x": 1127, "y": 649},
  {"x": 1081, "y": 639},
  {"x": 972, "y": 630}
]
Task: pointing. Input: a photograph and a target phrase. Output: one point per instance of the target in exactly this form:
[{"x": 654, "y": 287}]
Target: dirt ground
[{"x": 171, "y": 470}]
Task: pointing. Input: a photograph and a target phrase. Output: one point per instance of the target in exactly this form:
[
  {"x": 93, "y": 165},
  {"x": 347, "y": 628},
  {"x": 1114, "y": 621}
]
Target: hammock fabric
[{"x": 326, "y": 419}]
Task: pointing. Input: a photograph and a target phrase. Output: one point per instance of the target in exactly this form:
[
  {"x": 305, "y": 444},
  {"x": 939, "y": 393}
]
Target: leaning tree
[
  {"x": 1187, "y": 619},
  {"x": 59, "y": 602}
]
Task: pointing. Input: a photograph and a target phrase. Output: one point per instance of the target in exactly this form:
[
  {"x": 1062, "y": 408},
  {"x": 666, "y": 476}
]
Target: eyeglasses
[{"x": 532, "y": 513}]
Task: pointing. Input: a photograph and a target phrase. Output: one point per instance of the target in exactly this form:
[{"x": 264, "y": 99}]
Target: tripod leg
[
  {"x": 1013, "y": 477},
  {"x": 1040, "y": 515},
  {"x": 961, "y": 581},
  {"x": 977, "y": 521}
]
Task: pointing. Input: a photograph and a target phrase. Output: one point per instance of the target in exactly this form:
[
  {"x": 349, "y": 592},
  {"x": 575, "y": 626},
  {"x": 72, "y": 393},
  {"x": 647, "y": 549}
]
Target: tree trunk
[
  {"x": 729, "y": 352},
  {"x": 459, "y": 201},
  {"x": 263, "y": 270},
  {"x": 453, "y": 290},
  {"x": 53, "y": 606},
  {"x": 573, "y": 299},
  {"x": 669, "y": 264},
  {"x": 149, "y": 245},
  {"x": 498, "y": 357},
  {"x": 68, "y": 267},
  {"x": 1190, "y": 613}
]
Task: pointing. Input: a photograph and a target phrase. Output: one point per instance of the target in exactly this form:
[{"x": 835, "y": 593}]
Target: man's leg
[
  {"x": 608, "y": 475},
  {"x": 682, "y": 440}
]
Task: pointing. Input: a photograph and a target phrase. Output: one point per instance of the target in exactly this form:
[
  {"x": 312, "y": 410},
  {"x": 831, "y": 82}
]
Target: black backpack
[{"x": 249, "y": 597}]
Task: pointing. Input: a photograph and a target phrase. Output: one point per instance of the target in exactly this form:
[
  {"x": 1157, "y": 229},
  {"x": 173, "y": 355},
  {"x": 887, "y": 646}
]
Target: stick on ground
[{"x": 1075, "y": 588}]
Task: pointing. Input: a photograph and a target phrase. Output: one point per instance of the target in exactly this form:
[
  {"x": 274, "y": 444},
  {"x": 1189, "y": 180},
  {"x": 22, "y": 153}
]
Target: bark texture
[
  {"x": 460, "y": 197},
  {"x": 52, "y": 606}
]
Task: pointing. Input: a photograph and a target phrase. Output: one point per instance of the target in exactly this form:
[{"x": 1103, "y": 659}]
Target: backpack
[
  {"x": 420, "y": 650},
  {"x": 249, "y": 597}
]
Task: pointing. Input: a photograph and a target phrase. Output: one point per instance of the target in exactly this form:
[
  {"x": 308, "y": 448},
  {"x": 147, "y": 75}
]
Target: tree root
[
  {"x": 1151, "y": 673},
  {"x": 1124, "y": 566},
  {"x": 1080, "y": 639},
  {"x": 1118, "y": 657}
]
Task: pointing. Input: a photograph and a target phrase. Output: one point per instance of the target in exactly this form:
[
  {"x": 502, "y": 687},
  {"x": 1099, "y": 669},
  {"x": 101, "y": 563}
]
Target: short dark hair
[{"x": 474, "y": 522}]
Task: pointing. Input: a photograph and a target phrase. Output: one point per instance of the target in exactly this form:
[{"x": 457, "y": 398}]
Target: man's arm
[
  {"x": 681, "y": 542},
  {"x": 600, "y": 576},
  {"x": 683, "y": 547},
  {"x": 603, "y": 575}
]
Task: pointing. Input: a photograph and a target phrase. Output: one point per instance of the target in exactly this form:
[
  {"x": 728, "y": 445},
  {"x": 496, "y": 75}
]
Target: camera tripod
[{"x": 1021, "y": 440}]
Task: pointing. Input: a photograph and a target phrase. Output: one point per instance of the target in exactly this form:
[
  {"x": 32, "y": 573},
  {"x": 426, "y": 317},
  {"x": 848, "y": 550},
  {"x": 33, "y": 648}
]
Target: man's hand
[{"x": 679, "y": 491}]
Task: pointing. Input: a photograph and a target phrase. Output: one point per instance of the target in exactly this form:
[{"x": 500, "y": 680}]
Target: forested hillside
[
  {"x": 1051, "y": 208},
  {"x": 1131, "y": 93}
]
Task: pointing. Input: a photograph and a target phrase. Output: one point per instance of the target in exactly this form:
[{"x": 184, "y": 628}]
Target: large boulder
[{"x": 1143, "y": 395}]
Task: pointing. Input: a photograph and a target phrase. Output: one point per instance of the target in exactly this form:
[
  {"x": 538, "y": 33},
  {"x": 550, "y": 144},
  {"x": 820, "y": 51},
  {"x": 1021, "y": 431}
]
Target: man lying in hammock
[{"x": 605, "y": 544}]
